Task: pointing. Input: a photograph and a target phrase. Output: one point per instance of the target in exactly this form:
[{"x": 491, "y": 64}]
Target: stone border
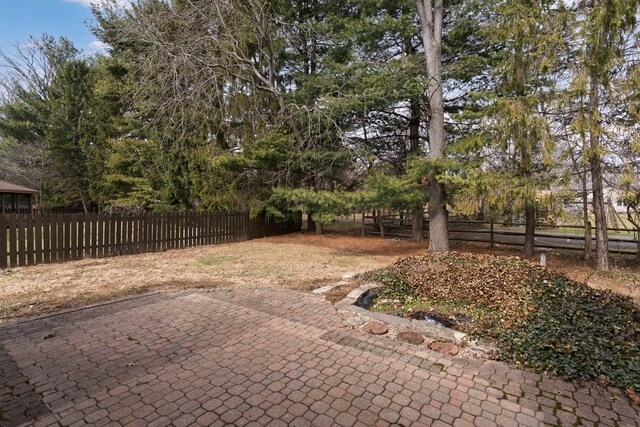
[
  {"x": 355, "y": 317},
  {"x": 347, "y": 306},
  {"x": 343, "y": 281}
]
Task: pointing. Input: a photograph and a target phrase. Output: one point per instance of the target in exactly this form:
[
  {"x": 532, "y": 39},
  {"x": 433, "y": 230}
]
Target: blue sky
[{"x": 21, "y": 18}]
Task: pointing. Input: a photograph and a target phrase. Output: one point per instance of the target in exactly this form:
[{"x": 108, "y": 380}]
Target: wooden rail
[
  {"x": 30, "y": 239},
  {"x": 492, "y": 233}
]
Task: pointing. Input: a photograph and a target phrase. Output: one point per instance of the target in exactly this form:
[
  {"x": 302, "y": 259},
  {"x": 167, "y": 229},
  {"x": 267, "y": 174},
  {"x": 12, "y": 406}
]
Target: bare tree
[
  {"x": 26, "y": 164},
  {"x": 26, "y": 75},
  {"x": 33, "y": 65}
]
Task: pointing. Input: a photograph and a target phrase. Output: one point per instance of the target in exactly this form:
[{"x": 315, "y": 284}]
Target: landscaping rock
[
  {"x": 375, "y": 328},
  {"x": 410, "y": 337},
  {"x": 323, "y": 290},
  {"x": 444, "y": 347},
  {"x": 355, "y": 321}
]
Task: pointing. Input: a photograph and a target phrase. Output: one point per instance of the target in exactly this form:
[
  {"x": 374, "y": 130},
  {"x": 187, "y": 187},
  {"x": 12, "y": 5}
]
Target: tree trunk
[
  {"x": 526, "y": 166},
  {"x": 602, "y": 237},
  {"x": 585, "y": 217},
  {"x": 530, "y": 230},
  {"x": 417, "y": 226},
  {"x": 431, "y": 16},
  {"x": 438, "y": 231},
  {"x": 417, "y": 231},
  {"x": 311, "y": 224},
  {"x": 319, "y": 228},
  {"x": 414, "y": 128},
  {"x": 483, "y": 208},
  {"x": 84, "y": 204},
  {"x": 380, "y": 223}
]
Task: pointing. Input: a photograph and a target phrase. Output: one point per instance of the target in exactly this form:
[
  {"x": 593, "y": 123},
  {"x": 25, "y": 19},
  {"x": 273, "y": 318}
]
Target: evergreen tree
[
  {"x": 67, "y": 132},
  {"x": 529, "y": 44},
  {"x": 602, "y": 26}
]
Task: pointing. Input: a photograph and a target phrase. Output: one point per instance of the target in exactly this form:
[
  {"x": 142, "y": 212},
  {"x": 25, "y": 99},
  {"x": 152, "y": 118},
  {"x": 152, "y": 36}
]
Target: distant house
[{"x": 16, "y": 198}]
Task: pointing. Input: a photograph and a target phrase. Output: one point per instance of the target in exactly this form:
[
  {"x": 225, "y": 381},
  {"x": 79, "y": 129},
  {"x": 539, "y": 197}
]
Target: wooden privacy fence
[{"x": 30, "y": 239}]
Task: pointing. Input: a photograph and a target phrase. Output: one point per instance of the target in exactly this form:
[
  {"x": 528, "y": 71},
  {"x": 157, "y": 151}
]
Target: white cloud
[
  {"x": 97, "y": 46},
  {"x": 83, "y": 2},
  {"x": 88, "y": 3}
]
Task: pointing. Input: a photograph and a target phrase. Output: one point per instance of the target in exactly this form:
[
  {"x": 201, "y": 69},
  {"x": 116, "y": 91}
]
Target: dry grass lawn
[
  {"x": 300, "y": 261},
  {"x": 297, "y": 261}
]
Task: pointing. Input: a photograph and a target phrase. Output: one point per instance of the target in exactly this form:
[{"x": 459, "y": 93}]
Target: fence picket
[
  {"x": 37, "y": 225},
  {"x": 22, "y": 240},
  {"x": 175, "y": 226},
  {"x": 183, "y": 226},
  {"x": 75, "y": 236},
  {"x": 30, "y": 240},
  {"x": 53, "y": 240},
  {"x": 169, "y": 239},
  {"x": 190, "y": 223},
  {"x": 119, "y": 223},
  {"x": 46, "y": 238},
  {"x": 111, "y": 248},
  {"x": 13, "y": 241},
  {"x": 89, "y": 236},
  {"x": 130, "y": 234},
  {"x": 159, "y": 233},
  {"x": 59, "y": 224},
  {"x": 99, "y": 235},
  {"x": 3, "y": 243}
]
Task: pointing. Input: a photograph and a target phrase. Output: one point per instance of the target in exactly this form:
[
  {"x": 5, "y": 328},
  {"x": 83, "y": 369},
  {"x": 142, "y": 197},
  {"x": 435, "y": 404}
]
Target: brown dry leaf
[{"x": 497, "y": 282}]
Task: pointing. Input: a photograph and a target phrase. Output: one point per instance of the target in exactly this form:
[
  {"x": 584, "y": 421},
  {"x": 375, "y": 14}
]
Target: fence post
[{"x": 492, "y": 241}]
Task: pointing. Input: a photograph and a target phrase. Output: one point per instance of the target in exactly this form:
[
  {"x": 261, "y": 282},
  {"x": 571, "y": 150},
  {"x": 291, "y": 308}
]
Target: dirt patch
[
  {"x": 345, "y": 243},
  {"x": 340, "y": 292}
]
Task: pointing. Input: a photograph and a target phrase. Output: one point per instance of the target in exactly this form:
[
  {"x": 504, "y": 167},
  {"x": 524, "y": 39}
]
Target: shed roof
[{"x": 7, "y": 187}]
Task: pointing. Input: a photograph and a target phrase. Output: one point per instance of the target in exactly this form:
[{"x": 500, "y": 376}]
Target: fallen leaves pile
[
  {"x": 498, "y": 283},
  {"x": 539, "y": 319}
]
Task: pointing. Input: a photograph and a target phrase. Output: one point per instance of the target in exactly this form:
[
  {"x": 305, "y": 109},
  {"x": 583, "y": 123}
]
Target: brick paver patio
[{"x": 263, "y": 357}]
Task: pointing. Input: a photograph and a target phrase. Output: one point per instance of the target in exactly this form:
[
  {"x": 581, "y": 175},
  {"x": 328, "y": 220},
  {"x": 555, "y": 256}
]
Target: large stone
[
  {"x": 376, "y": 328},
  {"x": 444, "y": 347},
  {"x": 410, "y": 337}
]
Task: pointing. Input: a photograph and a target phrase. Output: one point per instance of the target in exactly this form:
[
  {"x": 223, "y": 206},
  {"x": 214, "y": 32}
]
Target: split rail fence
[
  {"x": 569, "y": 237},
  {"x": 30, "y": 239}
]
